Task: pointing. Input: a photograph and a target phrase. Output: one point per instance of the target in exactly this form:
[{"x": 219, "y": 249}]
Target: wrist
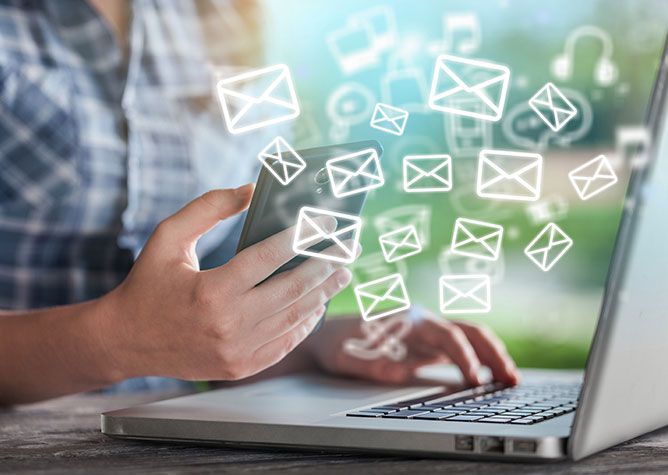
[{"x": 105, "y": 331}]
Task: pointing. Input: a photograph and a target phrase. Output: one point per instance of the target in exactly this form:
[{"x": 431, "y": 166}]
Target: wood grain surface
[{"x": 63, "y": 436}]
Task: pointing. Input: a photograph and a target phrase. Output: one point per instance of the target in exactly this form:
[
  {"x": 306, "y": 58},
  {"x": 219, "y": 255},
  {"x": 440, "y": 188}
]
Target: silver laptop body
[{"x": 623, "y": 391}]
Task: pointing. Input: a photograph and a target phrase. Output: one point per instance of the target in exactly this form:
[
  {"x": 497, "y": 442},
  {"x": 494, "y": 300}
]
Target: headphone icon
[{"x": 605, "y": 70}]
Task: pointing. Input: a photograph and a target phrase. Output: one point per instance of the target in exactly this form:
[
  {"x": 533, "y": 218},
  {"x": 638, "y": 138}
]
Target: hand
[
  {"x": 168, "y": 318},
  {"x": 430, "y": 340}
]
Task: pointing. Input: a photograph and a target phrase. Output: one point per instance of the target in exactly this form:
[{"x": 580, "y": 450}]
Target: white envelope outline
[
  {"x": 490, "y": 241},
  {"x": 529, "y": 189},
  {"x": 545, "y": 99},
  {"x": 478, "y": 91},
  {"x": 288, "y": 109},
  {"x": 414, "y": 215},
  {"x": 583, "y": 178},
  {"x": 541, "y": 256},
  {"x": 478, "y": 296},
  {"x": 415, "y": 163},
  {"x": 402, "y": 239},
  {"x": 290, "y": 166},
  {"x": 336, "y": 167},
  {"x": 303, "y": 240},
  {"x": 389, "y": 119},
  {"x": 395, "y": 281}
]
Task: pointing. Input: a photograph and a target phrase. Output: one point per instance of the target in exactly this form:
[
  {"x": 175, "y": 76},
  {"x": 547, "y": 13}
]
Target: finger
[
  {"x": 286, "y": 320},
  {"x": 203, "y": 213},
  {"x": 491, "y": 351},
  {"x": 259, "y": 261},
  {"x": 287, "y": 287},
  {"x": 274, "y": 351},
  {"x": 452, "y": 340}
]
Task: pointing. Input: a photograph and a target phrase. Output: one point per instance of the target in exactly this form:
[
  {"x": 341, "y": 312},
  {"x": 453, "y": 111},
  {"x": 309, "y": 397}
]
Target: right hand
[{"x": 168, "y": 318}]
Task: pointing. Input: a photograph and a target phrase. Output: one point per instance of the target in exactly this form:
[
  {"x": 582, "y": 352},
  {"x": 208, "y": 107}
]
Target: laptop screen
[{"x": 567, "y": 91}]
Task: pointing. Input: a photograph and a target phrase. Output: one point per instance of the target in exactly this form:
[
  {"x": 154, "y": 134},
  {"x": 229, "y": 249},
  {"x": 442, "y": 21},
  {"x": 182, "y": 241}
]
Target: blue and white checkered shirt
[{"x": 96, "y": 150}]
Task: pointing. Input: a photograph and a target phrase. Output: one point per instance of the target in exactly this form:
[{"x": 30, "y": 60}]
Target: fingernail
[
  {"x": 343, "y": 277},
  {"x": 330, "y": 223},
  {"x": 242, "y": 190}
]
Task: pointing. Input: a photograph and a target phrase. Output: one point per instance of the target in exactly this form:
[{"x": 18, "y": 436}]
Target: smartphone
[{"x": 275, "y": 206}]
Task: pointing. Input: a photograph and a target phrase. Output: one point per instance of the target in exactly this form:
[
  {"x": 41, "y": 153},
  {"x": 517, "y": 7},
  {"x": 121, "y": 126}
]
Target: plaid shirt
[{"x": 96, "y": 150}]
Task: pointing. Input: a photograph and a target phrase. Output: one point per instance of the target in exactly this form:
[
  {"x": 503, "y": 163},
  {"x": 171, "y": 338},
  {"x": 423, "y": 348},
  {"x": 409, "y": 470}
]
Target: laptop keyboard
[{"x": 492, "y": 403}]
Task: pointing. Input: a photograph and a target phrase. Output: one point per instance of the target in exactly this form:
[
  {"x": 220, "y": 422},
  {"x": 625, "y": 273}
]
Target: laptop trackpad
[{"x": 293, "y": 399}]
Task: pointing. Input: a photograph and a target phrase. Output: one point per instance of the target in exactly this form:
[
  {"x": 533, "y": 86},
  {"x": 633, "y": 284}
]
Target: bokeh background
[{"x": 546, "y": 319}]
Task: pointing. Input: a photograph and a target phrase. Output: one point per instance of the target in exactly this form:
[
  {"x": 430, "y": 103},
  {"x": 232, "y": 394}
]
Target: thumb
[{"x": 203, "y": 213}]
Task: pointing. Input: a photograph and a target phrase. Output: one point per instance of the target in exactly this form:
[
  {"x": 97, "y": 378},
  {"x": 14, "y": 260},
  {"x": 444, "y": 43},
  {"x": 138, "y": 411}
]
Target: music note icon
[
  {"x": 462, "y": 34},
  {"x": 466, "y": 24}
]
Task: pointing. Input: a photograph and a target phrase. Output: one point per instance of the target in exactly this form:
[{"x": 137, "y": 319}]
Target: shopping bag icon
[
  {"x": 400, "y": 244},
  {"x": 389, "y": 119},
  {"x": 427, "y": 173},
  {"x": 508, "y": 175},
  {"x": 389, "y": 290},
  {"x": 548, "y": 247},
  {"x": 483, "y": 82},
  {"x": 553, "y": 107},
  {"x": 465, "y": 294},
  {"x": 258, "y": 99},
  {"x": 593, "y": 177},
  {"x": 477, "y": 239},
  {"x": 339, "y": 245},
  {"x": 281, "y": 160},
  {"x": 355, "y": 173}
]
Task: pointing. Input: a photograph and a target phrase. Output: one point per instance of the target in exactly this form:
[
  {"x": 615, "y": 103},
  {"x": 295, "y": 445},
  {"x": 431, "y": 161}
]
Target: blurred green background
[{"x": 546, "y": 319}]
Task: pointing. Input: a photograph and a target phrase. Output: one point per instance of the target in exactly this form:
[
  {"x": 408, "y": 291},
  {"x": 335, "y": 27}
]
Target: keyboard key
[
  {"x": 464, "y": 418},
  {"x": 433, "y": 416},
  {"x": 389, "y": 408},
  {"x": 496, "y": 419},
  {"x": 430, "y": 407},
  {"x": 523, "y": 421},
  {"x": 520, "y": 412},
  {"x": 405, "y": 414},
  {"x": 364, "y": 414},
  {"x": 487, "y": 411},
  {"x": 453, "y": 412}
]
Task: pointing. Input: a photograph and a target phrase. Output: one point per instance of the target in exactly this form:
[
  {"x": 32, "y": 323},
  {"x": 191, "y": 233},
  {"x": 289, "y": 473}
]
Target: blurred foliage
[{"x": 546, "y": 319}]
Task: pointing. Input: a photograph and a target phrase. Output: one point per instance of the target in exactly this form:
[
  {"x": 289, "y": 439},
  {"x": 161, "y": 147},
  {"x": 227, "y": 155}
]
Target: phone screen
[{"x": 276, "y": 207}]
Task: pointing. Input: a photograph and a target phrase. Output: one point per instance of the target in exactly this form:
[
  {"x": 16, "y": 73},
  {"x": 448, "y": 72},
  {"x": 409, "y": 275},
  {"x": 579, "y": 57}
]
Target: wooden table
[{"x": 63, "y": 436}]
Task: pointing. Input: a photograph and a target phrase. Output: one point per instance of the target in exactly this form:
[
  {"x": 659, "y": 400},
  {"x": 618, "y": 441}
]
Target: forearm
[{"x": 53, "y": 352}]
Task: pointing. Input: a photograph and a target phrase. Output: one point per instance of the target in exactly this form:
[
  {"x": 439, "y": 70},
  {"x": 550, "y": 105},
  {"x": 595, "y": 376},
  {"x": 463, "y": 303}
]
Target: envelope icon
[
  {"x": 418, "y": 216},
  {"x": 377, "y": 295},
  {"x": 425, "y": 173},
  {"x": 281, "y": 160},
  {"x": 456, "y": 79},
  {"x": 400, "y": 244},
  {"x": 339, "y": 245},
  {"x": 477, "y": 239},
  {"x": 355, "y": 173},
  {"x": 389, "y": 119},
  {"x": 553, "y": 107},
  {"x": 508, "y": 175},
  {"x": 548, "y": 247},
  {"x": 593, "y": 177},
  {"x": 258, "y": 98},
  {"x": 465, "y": 294}
]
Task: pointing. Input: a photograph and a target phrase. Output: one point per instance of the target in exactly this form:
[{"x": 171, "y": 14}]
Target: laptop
[{"x": 550, "y": 415}]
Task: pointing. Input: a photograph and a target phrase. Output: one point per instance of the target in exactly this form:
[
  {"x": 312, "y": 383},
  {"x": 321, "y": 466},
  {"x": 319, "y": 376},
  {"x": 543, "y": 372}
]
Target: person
[{"x": 106, "y": 279}]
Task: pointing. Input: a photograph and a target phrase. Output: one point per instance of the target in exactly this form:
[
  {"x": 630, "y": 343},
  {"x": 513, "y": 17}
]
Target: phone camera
[{"x": 321, "y": 177}]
